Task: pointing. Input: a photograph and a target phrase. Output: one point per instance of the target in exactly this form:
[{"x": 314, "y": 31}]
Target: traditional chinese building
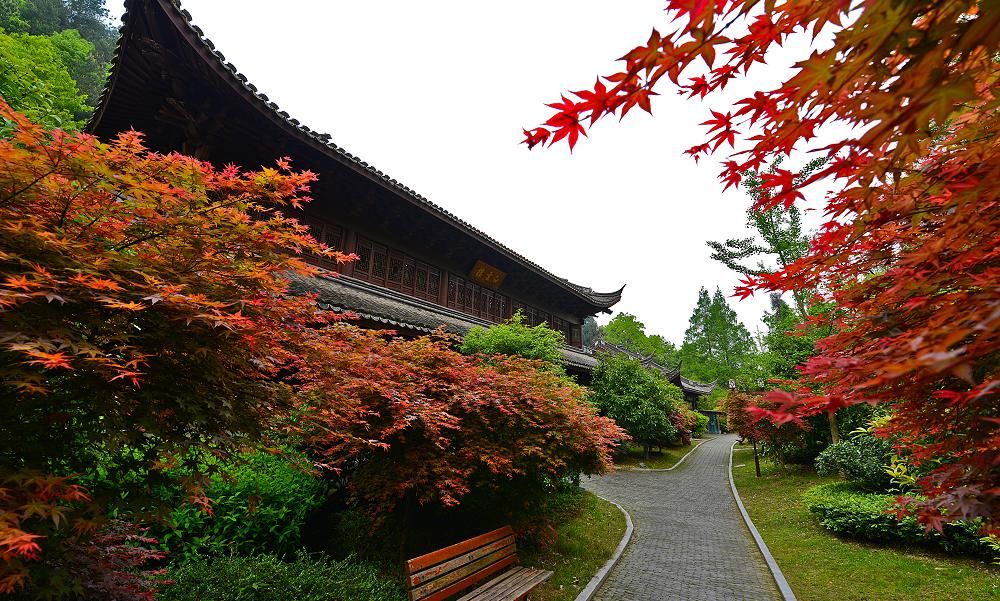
[{"x": 420, "y": 267}]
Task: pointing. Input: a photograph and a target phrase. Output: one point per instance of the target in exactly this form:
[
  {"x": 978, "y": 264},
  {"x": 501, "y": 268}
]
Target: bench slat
[
  {"x": 495, "y": 588},
  {"x": 529, "y": 585},
  {"x": 465, "y": 583},
  {"x": 420, "y": 592},
  {"x": 447, "y": 566},
  {"x": 499, "y": 589},
  {"x": 425, "y": 561},
  {"x": 510, "y": 575}
]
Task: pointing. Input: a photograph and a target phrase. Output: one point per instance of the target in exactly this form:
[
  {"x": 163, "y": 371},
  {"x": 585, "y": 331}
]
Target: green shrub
[
  {"x": 514, "y": 337},
  {"x": 268, "y": 578},
  {"x": 862, "y": 459},
  {"x": 701, "y": 426},
  {"x": 848, "y": 511},
  {"x": 640, "y": 400},
  {"x": 260, "y": 508}
]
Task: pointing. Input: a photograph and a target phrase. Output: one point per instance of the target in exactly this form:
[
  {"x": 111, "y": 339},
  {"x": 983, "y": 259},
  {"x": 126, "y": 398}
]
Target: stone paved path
[{"x": 690, "y": 543}]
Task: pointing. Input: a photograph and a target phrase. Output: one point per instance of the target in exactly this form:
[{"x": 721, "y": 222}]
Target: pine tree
[
  {"x": 716, "y": 344},
  {"x": 778, "y": 228}
]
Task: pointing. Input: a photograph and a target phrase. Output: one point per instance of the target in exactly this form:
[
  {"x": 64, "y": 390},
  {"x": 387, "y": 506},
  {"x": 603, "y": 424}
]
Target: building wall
[{"x": 388, "y": 263}]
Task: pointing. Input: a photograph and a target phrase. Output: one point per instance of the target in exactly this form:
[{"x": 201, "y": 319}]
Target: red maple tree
[
  {"x": 139, "y": 297},
  {"x": 910, "y": 251},
  {"x": 414, "y": 421}
]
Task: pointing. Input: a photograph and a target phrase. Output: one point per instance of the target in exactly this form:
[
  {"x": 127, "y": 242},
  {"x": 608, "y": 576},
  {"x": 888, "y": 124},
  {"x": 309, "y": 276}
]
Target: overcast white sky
[{"x": 435, "y": 93}]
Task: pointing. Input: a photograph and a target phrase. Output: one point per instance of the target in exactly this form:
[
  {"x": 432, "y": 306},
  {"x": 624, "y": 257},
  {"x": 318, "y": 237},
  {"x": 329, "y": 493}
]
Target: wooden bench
[{"x": 447, "y": 572}]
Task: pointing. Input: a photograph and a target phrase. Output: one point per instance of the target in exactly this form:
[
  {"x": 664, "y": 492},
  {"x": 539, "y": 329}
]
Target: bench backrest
[{"x": 446, "y": 572}]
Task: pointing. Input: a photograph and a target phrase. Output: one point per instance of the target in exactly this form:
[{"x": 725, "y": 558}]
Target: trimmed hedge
[
  {"x": 845, "y": 509},
  {"x": 268, "y": 578}
]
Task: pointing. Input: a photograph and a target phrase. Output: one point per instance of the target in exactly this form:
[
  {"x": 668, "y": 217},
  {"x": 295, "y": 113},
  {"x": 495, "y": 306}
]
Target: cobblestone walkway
[{"x": 690, "y": 543}]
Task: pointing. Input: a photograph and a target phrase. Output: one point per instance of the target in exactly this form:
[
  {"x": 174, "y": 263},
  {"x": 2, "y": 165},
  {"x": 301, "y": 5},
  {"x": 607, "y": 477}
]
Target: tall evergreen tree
[
  {"x": 779, "y": 239},
  {"x": 716, "y": 344},
  {"x": 779, "y": 236}
]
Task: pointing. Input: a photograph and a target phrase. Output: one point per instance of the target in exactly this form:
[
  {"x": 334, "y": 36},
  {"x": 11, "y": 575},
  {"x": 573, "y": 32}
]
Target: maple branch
[{"x": 28, "y": 186}]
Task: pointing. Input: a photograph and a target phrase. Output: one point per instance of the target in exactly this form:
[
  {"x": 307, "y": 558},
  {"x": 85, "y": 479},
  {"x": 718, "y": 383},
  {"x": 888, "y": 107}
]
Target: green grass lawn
[
  {"x": 658, "y": 460},
  {"x": 587, "y": 537},
  {"x": 821, "y": 567}
]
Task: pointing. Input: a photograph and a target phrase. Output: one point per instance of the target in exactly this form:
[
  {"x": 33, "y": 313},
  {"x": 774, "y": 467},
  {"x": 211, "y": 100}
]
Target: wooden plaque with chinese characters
[{"x": 487, "y": 275}]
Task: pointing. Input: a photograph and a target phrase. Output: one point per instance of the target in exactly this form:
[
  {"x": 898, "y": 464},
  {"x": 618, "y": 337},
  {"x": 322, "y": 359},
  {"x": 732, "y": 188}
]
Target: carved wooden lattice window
[
  {"x": 363, "y": 266},
  {"x": 328, "y": 233},
  {"x": 373, "y": 262},
  {"x": 409, "y": 267},
  {"x": 421, "y": 278},
  {"x": 474, "y": 299},
  {"x": 333, "y": 236},
  {"x": 395, "y": 269},
  {"x": 458, "y": 284},
  {"x": 487, "y": 306},
  {"x": 516, "y": 306},
  {"x": 426, "y": 281},
  {"x": 379, "y": 260},
  {"x": 564, "y": 327},
  {"x": 433, "y": 283}
]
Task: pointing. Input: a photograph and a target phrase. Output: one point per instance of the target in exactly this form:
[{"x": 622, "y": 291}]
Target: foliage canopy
[
  {"x": 909, "y": 252},
  {"x": 34, "y": 77},
  {"x": 627, "y": 331},
  {"x": 515, "y": 338},
  {"x": 639, "y": 400},
  {"x": 150, "y": 328},
  {"x": 716, "y": 343}
]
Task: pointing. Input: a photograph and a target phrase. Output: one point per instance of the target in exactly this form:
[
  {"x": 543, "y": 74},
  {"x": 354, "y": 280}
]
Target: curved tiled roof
[
  {"x": 397, "y": 310},
  {"x": 698, "y": 387},
  {"x": 182, "y": 18}
]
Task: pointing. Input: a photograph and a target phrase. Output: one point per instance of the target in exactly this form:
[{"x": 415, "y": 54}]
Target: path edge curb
[
  {"x": 661, "y": 469},
  {"x": 602, "y": 574},
  {"x": 772, "y": 565}
]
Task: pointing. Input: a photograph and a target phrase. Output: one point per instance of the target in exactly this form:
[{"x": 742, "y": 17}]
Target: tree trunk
[
  {"x": 756, "y": 458},
  {"x": 834, "y": 427},
  {"x": 407, "y": 513}
]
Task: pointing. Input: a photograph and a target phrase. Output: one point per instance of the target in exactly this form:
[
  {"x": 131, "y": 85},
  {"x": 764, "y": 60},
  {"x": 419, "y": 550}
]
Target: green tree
[
  {"x": 591, "y": 331},
  {"x": 514, "y": 338},
  {"x": 84, "y": 19},
  {"x": 779, "y": 232},
  {"x": 779, "y": 237},
  {"x": 641, "y": 401},
  {"x": 627, "y": 331},
  {"x": 77, "y": 53},
  {"x": 35, "y": 80},
  {"x": 716, "y": 344},
  {"x": 10, "y": 16}
]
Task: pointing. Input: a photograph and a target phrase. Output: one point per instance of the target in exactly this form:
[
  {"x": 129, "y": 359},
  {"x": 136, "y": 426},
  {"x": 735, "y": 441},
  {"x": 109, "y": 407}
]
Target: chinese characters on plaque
[{"x": 487, "y": 275}]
